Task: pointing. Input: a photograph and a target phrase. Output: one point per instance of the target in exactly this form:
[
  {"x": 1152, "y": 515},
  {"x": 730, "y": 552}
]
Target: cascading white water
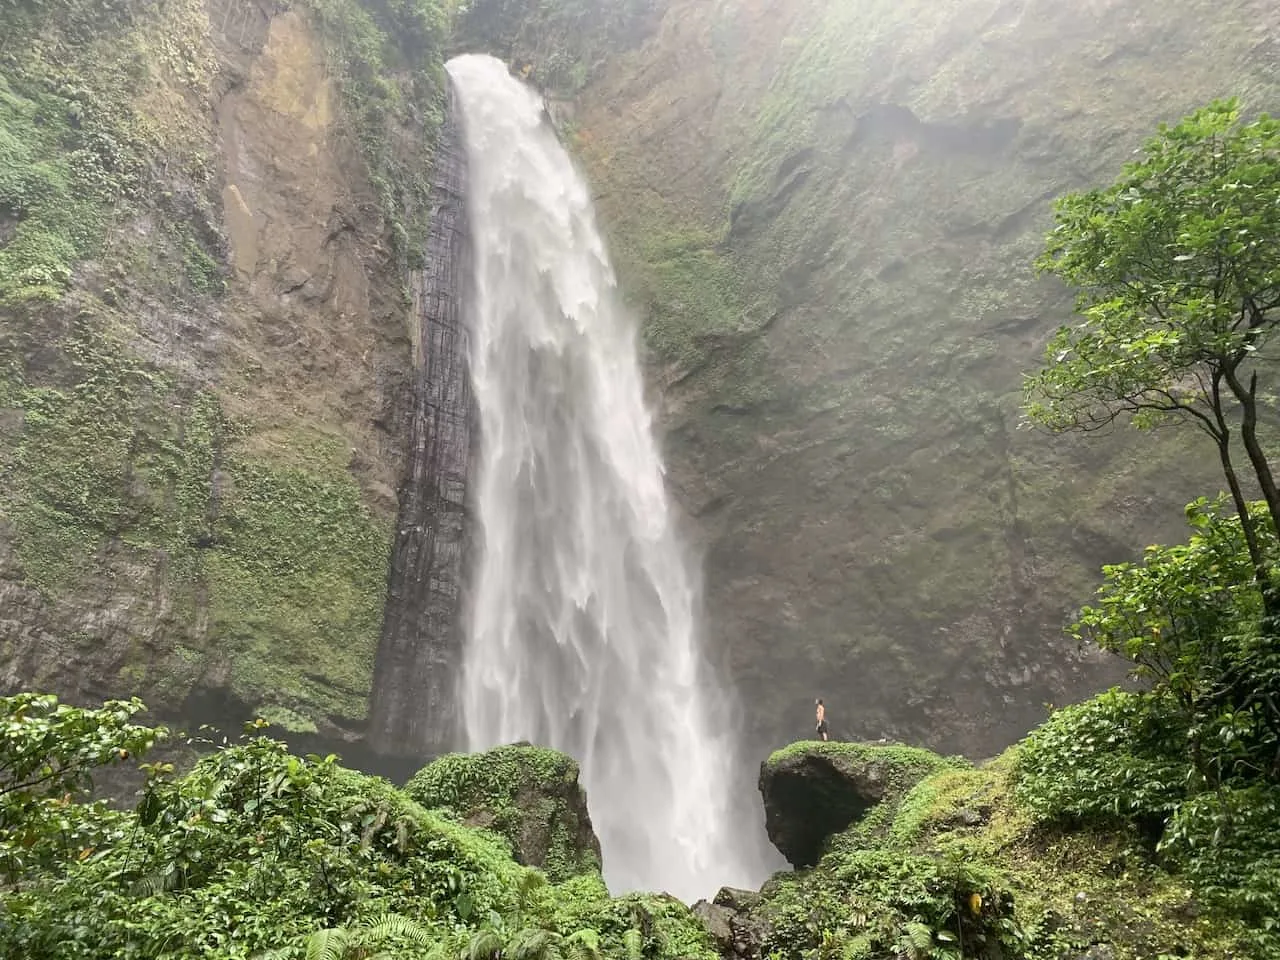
[{"x": 583, "y": 629}]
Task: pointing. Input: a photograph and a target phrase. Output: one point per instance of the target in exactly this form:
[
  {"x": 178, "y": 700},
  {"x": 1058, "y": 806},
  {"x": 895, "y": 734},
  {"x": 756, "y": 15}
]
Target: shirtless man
[{"x": 821, "y": 715}]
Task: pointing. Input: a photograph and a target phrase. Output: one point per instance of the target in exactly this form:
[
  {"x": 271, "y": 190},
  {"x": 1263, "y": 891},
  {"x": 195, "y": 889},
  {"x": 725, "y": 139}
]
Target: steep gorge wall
[
  {"x": 207, "y": 214},
  {"x": 826, "y": 212}
]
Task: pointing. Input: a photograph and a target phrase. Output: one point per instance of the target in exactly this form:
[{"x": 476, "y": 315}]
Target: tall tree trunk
[
  {"x": 1248, "y": 523},
  {"x": 1248, "y": 398}
]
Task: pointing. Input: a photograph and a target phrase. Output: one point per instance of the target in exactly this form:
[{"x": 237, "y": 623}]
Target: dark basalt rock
[
  {"x": 412, "y": 710},
  {"x": 735, "y": 929}
]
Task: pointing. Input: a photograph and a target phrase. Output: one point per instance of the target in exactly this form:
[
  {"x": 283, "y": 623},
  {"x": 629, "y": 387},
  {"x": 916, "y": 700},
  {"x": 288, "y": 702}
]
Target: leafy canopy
[
  {"x": 1189, "y": 617},
  {"x": 48, "y": 754},
  {"x": 1177, "y": 265}
]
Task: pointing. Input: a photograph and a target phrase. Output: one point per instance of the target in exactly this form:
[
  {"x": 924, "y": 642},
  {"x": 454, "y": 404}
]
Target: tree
[
  {"x": 49, "y": 752},
  {"x": 1187, "y": 617},
  {"x": 1177, "y": 268}
]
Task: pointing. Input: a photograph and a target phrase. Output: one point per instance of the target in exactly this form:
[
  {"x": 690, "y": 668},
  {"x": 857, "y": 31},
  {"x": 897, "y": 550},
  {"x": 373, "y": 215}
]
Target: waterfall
[{"x": 582, "y": 629}]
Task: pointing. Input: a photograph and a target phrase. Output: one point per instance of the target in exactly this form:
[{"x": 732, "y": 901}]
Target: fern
[
  {"x": 485, "y": 944},
  {"x": 633, "y": 944},
  {"x": 916, "y": 940},
  {"x": 328, "y": 944},
  {"x": 583, "y": 945},
  {"x": 155, "y": 884},
  {"x": 531, "y": 943},
  {"x": 391, "y": 925},
  {"x": 858, "y": 948},
  {"x": 529, "y": 882}
]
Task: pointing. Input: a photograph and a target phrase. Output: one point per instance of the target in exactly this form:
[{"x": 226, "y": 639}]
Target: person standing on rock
[{"x": 820, "y": 714}]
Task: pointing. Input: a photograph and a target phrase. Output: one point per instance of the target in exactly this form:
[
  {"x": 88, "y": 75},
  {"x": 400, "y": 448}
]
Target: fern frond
[
  {"x": 531, "y": 880},
  {"x": 917, "y": 939},
  {"x": 155, "y": 884},
  {"x": 328, "y": 944},
  {"x": 484, "y": 945},
  {"x": 393, "y": 925},
  {"x": 633, "y": 944},
  {"x": 583, "y": 944},
  {"x": 858, "y": 948},
  {"x": 531, "y": 943}
]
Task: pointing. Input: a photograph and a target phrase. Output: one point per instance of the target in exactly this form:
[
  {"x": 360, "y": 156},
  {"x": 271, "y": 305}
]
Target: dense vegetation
[
  {"x": 1178, "y": 271},
  {"x": 256, "y": 853}
]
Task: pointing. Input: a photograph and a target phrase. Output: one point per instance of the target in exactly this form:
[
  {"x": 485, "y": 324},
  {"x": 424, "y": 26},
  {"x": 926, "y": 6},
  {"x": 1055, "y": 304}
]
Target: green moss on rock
[
  {"x": 957, "y": 859},
  {"x": 815, "y": 790},
  {"x": 192, "y": 508},
  {"x": 529, "y": 795}
]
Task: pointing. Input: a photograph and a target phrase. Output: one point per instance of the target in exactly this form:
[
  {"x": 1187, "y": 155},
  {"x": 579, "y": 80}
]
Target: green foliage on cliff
[
  {"x": 529, "y": 795},
  {"x": 155, "y": 522},
  {"x": 115, "y": 453},
  {"x": 965, "y": 866},
  {"x": 67, "y": 152},
  {"x": 557, "y": 44},
  {"x": 257, "y": 853},
  {"x": 281, "y": 561},
  {"x": 388, "y": 61},
  {"x": 297, "y": 570}
]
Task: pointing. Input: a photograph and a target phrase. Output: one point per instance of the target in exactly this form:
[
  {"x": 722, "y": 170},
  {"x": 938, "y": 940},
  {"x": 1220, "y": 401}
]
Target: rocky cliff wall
[
  {"x": 412, "y": 708},
  {"x": 826, "y": 213},
  {"x": 206, "y": 216}
]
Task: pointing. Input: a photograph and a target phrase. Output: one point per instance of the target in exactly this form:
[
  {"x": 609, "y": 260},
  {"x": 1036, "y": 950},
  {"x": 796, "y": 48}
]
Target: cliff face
[
  {"x": 827, "y": 214},
  {"x": 412, "y": 708},
  {"x": 206, "y": 216}
]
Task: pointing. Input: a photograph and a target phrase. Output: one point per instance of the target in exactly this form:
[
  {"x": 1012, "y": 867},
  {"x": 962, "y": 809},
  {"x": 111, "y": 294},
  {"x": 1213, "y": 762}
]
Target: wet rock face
[
  {"x": 412, "y": 704},
  {"x": 530, "y": 795},
  {"x": 814, "y": 791},
  {"x": 809, "y": 798},
  {"x": 224, "y": 530},
  {"x": 839, "y": 304}
]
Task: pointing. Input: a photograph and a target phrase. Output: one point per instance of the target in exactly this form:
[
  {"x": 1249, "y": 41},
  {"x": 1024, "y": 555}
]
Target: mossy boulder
[
  {"x": 813, "y": 791},
  {"x": 529, "y": 795},
  {"x": 957, "y": 858}
]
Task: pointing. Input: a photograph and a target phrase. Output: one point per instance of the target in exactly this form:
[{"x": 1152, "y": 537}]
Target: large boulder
[
  {"x": 814, "y": 790},
  {"x": 736, "y": 923},
  {"x": 530, "y": 795}
]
